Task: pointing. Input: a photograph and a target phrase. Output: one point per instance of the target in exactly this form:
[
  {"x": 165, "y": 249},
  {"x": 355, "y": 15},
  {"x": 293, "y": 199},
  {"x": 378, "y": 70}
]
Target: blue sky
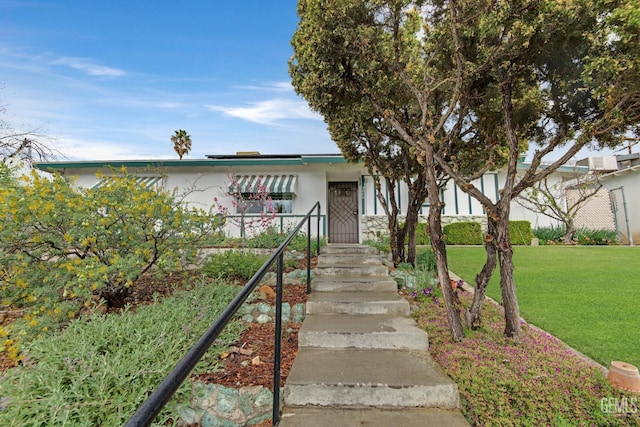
[{"x": 114, "y": 79}]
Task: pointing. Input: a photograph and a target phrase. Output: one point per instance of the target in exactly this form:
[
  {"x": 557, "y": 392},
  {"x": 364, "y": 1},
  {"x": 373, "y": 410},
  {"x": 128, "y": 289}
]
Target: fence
[
  {"x": 147, "y": 412},
  {"x": 283, "y": 222},
  {"x": 621, "y": 215}
]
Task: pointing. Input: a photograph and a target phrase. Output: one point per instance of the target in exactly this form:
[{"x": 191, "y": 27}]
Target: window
[{"x": 280, "y": 202}]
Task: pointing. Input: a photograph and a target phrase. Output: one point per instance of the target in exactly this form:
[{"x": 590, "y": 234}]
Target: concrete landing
[{"x": 371, "y": 417}]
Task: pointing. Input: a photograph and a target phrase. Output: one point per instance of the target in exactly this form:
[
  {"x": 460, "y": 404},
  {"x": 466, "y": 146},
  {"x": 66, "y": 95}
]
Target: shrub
[
  {"x": 97, "y": 372},
  {"x": 426, "y": 260},
  {"x": 463, "y": 233},
  {"x": 596, "y": 237},
  {"x": 553, "y": 233},
  {"x": 233, "y": 265},
  {"x": 422, "y": 234},
  {"x": 382, "y": 245},
  {"x": 520, "y": 232},
  {"x": 61, "y": 245}
]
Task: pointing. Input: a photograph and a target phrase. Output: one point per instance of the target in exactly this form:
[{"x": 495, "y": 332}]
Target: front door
[{"x": 343, "y": 212}]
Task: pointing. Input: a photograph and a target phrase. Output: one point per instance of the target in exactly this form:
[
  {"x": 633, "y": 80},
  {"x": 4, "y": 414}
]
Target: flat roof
[{"x": 211, "y": 160}]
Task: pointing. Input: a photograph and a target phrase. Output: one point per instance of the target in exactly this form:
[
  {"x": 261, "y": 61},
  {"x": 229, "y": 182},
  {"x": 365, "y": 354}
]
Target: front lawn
[{"x": 587, "y": 296}]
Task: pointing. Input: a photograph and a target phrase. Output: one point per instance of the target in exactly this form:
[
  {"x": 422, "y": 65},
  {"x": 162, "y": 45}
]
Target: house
[{"x": 350, "y": 209}]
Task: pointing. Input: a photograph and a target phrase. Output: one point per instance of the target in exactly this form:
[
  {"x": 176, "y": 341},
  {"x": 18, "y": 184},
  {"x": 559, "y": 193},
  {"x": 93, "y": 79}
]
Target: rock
[{"x": 263, "y": 318}]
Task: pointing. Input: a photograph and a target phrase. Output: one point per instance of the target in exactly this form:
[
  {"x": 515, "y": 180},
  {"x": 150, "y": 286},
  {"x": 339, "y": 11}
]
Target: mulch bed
[{"x": 252, "y": 364}]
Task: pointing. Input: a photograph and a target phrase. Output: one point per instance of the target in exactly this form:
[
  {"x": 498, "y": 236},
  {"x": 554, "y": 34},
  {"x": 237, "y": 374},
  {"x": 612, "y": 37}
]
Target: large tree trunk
[
  {"x": 396, "y": 254},
  {"x": 474, "y": 315},
  {"x": 410, "y": 229},
  {"x": 569, "y": 232},
  {"x": 401, "y": 233},
  {"x": 437, "y": 243},
  {"x": 507, "y": 285}
]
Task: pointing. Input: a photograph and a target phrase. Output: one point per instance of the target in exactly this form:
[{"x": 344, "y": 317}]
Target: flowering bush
[
  {"x": 255, "y": 210},
  {"x": 63, "y": 247},
  {"x": 426, "y": 294},
  {"x": 536, "y": 381}
]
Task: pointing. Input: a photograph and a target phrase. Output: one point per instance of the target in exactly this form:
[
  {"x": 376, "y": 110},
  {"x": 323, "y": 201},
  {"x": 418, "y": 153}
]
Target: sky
[{"x": 110, "y": 80}]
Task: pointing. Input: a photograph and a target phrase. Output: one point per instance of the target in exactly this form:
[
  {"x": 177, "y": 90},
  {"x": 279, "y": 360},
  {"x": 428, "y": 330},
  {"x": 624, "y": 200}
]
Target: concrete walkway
[{"x": 361, "y": 359}]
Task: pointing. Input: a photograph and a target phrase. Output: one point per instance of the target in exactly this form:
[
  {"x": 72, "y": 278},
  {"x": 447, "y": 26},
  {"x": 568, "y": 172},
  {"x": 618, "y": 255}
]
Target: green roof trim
[{"x": 285, "y": 160}]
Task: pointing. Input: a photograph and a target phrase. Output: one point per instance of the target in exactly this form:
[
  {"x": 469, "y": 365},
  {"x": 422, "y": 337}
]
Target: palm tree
[{"x": 181, "y": 142}]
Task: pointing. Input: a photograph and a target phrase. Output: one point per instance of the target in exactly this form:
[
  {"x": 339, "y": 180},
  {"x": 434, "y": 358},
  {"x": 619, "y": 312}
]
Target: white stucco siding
[
  {"x": 206, "y": 180},
  {"x": 627, "y": 181}
]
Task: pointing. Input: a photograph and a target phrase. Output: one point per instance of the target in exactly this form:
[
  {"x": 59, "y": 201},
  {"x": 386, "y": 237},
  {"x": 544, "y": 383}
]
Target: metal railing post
[
  {"x": 277, "y": 344},
  {"x": 309, "y": 255},
  {"x": 318, "y": 233}
]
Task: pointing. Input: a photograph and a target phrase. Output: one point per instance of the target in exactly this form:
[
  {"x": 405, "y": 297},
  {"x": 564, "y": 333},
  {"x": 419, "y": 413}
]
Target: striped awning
[
  {"x": 150, "y": 182},
  {"x": 273, "y": 183}
]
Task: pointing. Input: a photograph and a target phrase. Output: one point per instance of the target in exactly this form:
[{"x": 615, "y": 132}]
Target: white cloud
[
  {"x": 88, "y": 67},
  {"x": 90, "y": 149},
  {"x": 273, "y": 86},
  {"x": 269, "y": 112}
]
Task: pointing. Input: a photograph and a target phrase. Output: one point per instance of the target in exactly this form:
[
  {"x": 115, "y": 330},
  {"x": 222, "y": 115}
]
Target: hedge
[
  {"x": 520, "y": 232},
  {"x": 463, "y": 233}
]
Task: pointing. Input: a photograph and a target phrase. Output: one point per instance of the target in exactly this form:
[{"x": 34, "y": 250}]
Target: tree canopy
[{"x": 470, "y": 86}]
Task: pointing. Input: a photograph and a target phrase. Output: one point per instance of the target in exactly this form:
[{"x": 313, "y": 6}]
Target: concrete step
[
  {"x": 357, "y": 303},
  {"x": 328, "y": 259},
  {"x": 371, "y": 417},
  {"x": 371, "y": 378},
  {"x": 339, "y": 269},
  {"x": 380, "y": 331},
  {"x": 339, "y": 283},
  {"x": 348, "y": 249}
]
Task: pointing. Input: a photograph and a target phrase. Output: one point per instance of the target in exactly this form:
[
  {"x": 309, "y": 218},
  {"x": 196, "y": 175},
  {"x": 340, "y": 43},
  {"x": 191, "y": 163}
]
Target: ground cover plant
[
  {"x": 536, "y": 381},
  {"x": 98, "y": 372},
  {"x": 580, "y": 294}
]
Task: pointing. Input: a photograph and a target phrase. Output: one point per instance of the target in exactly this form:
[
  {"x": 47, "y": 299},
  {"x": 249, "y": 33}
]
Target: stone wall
[{"x": 215, "y": 405}]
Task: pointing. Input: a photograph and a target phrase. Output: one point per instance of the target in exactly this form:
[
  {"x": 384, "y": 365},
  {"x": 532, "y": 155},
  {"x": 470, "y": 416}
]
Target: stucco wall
[
  {"x": 627, "y": 182},
  {"x": 209, "y": 182}
]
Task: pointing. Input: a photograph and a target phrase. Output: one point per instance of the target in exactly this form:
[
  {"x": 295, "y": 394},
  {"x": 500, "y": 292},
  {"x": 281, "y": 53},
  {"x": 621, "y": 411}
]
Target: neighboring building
[
  {"x": 350, "y": 210},
  {"x": 621, "y": 178}
]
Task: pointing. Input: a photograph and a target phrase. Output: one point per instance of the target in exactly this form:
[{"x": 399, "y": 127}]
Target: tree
[
  {"x": 388, "y": 159},
  {"x": 541, "y": 54},
  {"x": 469, "y": 88},
  {"x": 181, "y": 142},
  {"x": 29, "y": 146},
  {"x": 352, "y": 61},
  {"x": 561, "y": 200}
]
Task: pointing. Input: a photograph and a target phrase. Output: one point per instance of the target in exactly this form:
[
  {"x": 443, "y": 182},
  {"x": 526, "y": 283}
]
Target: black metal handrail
[{"x": 148, "y": 411}]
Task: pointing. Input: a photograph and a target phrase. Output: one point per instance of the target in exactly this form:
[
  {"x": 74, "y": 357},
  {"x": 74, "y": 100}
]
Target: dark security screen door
[{"x": 343, "y": 212}]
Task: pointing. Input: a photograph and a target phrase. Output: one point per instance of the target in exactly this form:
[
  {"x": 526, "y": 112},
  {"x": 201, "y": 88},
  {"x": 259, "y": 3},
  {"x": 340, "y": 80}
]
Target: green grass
[{"x": 586, "y": 296}]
